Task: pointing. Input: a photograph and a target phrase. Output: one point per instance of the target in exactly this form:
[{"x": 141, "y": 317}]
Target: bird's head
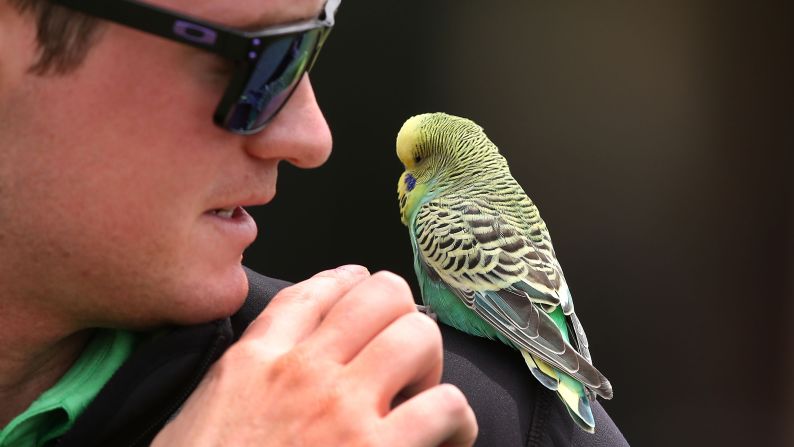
[{"x": 436, "y": 150}]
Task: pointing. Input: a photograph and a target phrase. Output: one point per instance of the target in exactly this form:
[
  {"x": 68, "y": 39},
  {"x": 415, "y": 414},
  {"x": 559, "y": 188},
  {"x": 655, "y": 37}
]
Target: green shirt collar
[{"x": 55, "y": 411}]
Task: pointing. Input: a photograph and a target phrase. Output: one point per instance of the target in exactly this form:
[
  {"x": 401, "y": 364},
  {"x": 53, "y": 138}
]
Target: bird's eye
[{"x": 417, "y": 158}]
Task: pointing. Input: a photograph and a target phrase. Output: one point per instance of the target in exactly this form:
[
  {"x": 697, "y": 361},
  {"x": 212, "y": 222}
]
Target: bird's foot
[{"x": 427, "y": 311}]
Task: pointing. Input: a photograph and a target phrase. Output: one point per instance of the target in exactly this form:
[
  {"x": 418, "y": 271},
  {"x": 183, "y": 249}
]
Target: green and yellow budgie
[{"x": 484, "y": 257}]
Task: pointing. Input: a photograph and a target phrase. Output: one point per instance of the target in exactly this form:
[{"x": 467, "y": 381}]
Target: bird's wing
[{"x": 508, "y": 276}]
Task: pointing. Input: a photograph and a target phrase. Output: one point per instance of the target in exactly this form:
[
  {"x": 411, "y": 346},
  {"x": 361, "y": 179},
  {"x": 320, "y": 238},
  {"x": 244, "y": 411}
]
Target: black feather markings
[
  {"x": 514, "y": 246},
  {"x": 481, "y": 222},
  {"x": 445, "y": 243},
  {"x": 524, "y": 322},
  {"x": 486, "y": 237},
  {"x": 564, "y": 357},
  {"x": 461, "y": 262}
]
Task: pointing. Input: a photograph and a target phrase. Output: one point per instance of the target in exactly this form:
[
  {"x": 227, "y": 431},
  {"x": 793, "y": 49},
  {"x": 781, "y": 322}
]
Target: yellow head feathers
[
  {"x": 438, "y": 135},
  {"x": 407, "y": 140},
  {"x": 439, "y": 150}
]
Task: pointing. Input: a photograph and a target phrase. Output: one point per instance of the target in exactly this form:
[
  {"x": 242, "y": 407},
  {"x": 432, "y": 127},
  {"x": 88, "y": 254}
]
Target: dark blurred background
[{"x": 655, "y": 136}]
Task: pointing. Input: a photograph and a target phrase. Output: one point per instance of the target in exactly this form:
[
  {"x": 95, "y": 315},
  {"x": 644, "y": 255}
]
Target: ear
[{"x": 18, "y": 46}]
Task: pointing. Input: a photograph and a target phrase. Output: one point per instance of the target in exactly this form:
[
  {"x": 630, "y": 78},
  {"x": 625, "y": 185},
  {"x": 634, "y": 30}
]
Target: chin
[{"x": 213, "y": 296}]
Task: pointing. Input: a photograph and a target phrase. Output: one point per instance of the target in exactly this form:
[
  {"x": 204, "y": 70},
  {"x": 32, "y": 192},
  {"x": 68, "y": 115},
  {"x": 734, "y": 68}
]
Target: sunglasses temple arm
[{"x": 165, "y": 23}]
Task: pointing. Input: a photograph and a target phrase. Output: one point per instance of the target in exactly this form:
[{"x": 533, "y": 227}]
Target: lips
[
  {"x": 235, "y": 208},
  {"x": 233, "y": 213},
  {"x": 226, "y": 223},
  {"x": 226, "y": 213},
  {"x": 234, "y": 225}
]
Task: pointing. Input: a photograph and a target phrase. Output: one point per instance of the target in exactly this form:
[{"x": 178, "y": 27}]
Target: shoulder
[
  {"x": 261, "y": 289},
  {"x": 512, "y": 408}
]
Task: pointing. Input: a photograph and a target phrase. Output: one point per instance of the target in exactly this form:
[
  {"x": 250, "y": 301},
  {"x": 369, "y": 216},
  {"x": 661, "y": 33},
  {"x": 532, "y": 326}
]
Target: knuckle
[
  {"x": 423, "y": 328},
  {"x": 337, "y": 282},
  {"x": 309, "y": 295},
  {"x": 245, "y": 351},
  {"x": 396, "y": 288},
  {"x": 393, "y": 280},
  {"x": 261, "y": 323},
  {"x": 295, "y": 293},
  {"x": 453, "y": 400},
  {"x": 423, "y": 323}
]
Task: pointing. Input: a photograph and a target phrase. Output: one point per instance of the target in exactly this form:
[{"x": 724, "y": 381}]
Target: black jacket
[{"x": 512, "y": 408}]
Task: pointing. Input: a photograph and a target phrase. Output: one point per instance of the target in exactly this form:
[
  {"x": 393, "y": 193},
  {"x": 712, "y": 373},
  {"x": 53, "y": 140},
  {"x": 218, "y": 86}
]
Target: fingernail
[
  {"x": 352, "y": 269},
  {"x": 344, "y": 271}
]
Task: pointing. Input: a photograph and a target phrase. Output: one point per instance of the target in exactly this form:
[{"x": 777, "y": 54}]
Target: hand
[{"x": 322, "y": 365}]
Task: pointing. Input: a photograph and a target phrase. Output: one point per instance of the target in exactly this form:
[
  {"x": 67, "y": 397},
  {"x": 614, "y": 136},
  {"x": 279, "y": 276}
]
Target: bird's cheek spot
[{"x": 410, "y": 182}]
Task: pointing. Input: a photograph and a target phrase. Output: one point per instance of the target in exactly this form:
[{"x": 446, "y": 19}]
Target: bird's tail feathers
[
  {"x": 546, "y": 376},
  {"x": 573, "y": 394}
]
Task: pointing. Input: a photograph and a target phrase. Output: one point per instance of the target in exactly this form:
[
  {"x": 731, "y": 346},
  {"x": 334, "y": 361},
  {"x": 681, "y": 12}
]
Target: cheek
[
  {"x": 97, "y": 219},
  {"x": 103, "y": 177},
  {"x": 119, "y": 144},
  {"x": 128, "y": 252}
]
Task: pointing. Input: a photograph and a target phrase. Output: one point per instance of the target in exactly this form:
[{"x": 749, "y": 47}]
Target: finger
[
  {"x": 404, "y": 358},
  {"x": 296, "y": 311},
  {"x": 365, "y": 311},
  {"x": 445, "y": 415}
]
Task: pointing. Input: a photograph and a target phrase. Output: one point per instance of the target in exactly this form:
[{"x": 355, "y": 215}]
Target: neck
[{"x": 32, "y": 359}]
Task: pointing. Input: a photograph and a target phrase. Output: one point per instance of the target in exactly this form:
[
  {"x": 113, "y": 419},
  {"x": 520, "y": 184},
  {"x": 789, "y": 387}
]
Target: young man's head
[{"x": 112, "y": 173}]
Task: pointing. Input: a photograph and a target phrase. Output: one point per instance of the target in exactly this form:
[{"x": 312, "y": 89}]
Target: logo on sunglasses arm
[{"x": 194, "y": 33}]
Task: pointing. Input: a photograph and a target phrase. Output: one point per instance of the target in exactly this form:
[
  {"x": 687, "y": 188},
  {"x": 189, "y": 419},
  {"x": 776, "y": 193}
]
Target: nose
[{"x": 298, "y": 134}]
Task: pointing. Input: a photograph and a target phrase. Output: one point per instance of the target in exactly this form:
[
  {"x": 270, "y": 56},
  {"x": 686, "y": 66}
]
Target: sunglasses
[{"x": 268, "y": 64}]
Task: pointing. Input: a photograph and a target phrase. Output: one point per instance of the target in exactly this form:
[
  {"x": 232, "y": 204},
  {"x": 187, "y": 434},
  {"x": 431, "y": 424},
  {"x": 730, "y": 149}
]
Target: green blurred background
[{"x": 656, "y": 138}]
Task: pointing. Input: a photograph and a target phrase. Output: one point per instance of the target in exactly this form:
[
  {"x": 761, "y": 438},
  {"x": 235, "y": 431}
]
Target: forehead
[{"x": 250, "y": 14}]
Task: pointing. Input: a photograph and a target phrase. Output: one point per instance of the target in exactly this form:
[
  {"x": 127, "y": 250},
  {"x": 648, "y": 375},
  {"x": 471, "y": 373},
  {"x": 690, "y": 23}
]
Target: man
[{"x": 121, "y": 207}]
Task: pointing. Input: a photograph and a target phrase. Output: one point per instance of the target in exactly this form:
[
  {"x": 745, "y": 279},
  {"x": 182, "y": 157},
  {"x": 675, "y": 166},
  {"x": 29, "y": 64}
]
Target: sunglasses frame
[{"x": 243, "y": 48}]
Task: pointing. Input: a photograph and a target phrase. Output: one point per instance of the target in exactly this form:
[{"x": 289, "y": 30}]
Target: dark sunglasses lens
[{"x": 271, "y": 82}]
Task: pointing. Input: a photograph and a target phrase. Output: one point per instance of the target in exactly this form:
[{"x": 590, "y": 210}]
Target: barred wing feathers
[{"x": 501, "y": 264}]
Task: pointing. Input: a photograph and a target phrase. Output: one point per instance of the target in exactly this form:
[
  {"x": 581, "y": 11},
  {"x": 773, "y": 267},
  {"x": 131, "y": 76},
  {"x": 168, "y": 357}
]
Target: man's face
[{"x": 109, "y": 175}]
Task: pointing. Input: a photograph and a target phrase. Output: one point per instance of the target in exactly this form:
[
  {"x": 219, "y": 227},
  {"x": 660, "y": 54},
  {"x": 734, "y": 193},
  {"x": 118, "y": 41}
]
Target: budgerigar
[{"x": 484, "y": 259}]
